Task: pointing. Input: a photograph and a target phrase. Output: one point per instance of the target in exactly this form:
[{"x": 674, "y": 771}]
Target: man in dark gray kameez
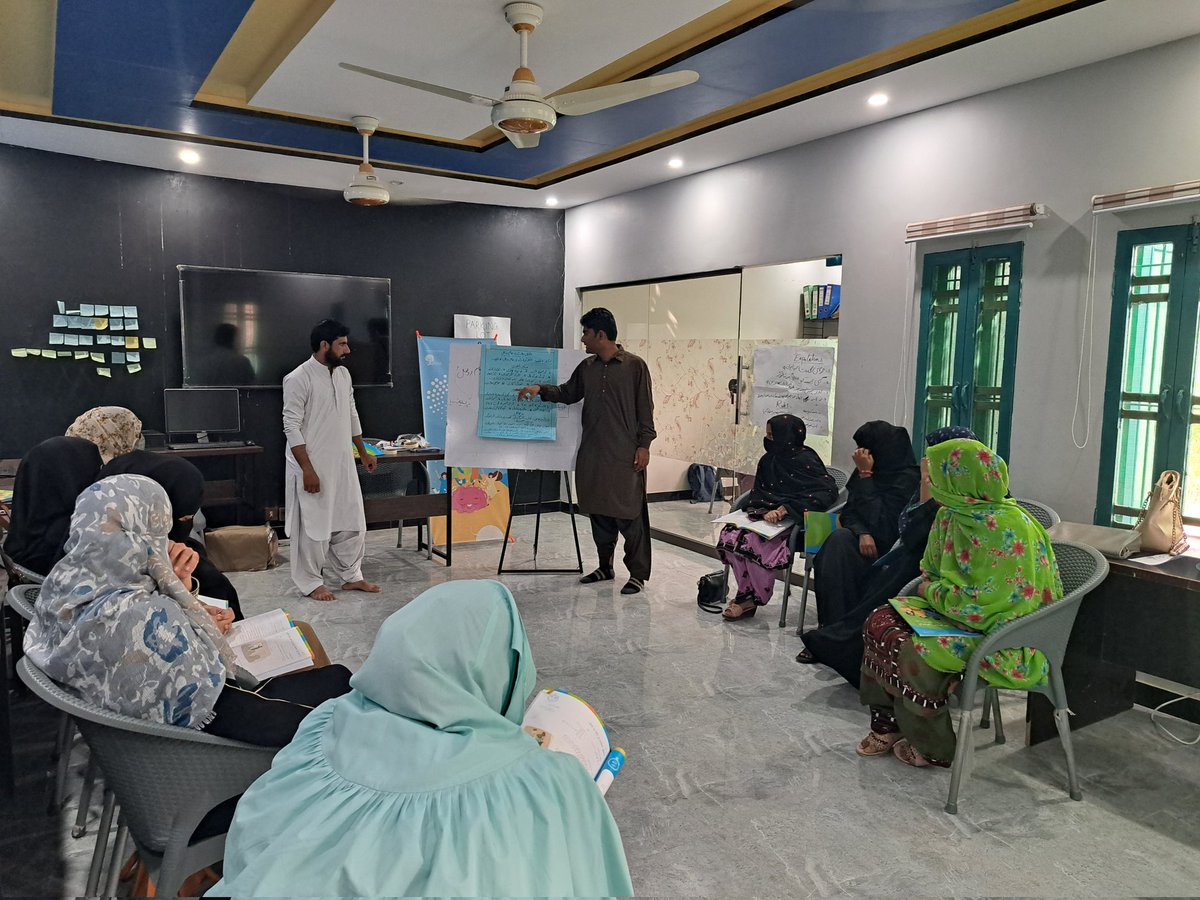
[{"x": 618, "y": 426}]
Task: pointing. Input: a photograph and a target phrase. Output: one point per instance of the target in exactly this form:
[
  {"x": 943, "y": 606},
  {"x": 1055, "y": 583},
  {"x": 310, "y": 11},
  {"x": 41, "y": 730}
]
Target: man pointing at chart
[{"x": 618, "y": 426}]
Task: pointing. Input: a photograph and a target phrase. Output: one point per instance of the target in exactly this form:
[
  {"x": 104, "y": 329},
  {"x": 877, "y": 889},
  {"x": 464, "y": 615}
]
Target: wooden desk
[
  {"x": 240, "y": 490},
  {"x": 397, "y": 506},
  {"x": 1140, "y": 619}
]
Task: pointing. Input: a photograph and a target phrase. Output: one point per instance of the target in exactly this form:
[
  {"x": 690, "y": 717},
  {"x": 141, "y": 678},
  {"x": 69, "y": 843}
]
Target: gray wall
[{"x": 1124, "y": 123}]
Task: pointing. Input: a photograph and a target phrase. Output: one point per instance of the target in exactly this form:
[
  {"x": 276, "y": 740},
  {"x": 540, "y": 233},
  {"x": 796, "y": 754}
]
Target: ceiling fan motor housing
[{"x": 522, "y": 111}]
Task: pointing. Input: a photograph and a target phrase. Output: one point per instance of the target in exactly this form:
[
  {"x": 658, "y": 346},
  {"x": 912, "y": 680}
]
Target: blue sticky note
[
  {"x": 118, "y": 359},
  {"x": 72, "y": 340},
  {"x": 55, "y": 338},
  {"x": 60, "y": 322},
  {"x": 101, "y": 310},
  {"x": 133, "y": 356},
  {"x": 85, "y": 340},
  {"x": 87, "y": 310},
  {"x": 131, "y": 324},
  {"x": 503, "y": 371}
]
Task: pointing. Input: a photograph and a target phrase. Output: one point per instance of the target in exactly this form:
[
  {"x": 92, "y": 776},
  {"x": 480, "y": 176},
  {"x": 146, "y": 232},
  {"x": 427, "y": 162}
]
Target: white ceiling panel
[{"x": 462, "y": 44}]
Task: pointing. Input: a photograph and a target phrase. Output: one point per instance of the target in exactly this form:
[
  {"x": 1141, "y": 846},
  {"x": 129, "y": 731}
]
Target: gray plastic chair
[
  {"x": 1040, "y": 511},
  {"x": 165, "y": 778},
  {"x": 840, "y": 478},
  {"x": 1048, "y": 629}
]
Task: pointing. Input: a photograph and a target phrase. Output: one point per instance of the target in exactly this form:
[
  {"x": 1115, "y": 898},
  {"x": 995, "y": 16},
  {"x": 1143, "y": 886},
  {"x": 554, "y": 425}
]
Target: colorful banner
[{"x": 480, "y": 496}]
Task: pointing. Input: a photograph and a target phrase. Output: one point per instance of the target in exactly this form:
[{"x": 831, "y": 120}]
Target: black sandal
[
  {"x": 633, "y": 586},
  {"x": 601, "y": 574},
  {"x": 806, "y": 657}
]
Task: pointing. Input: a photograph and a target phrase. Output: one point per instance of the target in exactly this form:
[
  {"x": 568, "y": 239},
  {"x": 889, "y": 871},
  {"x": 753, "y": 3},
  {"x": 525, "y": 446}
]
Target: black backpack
[{"x": 702, "y": 480}]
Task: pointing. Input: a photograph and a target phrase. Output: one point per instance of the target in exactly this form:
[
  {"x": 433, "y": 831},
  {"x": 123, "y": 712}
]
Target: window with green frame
[
  {"x": 1152, "y": 396},
  {"x": 967, "y": 350}
]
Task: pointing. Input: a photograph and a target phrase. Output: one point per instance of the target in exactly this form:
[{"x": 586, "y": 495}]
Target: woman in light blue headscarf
[{"x": 421, "y": 782}]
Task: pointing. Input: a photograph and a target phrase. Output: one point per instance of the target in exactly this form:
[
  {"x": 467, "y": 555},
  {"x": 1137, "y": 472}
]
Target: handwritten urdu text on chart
[
  {"x": 795, "y": 380},
  {"x": 505, "y": 370}
]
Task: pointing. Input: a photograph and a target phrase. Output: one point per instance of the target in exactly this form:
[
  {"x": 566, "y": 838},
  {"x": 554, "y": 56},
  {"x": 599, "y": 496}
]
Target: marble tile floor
[
  {"x": 742, "y": 778},
  {"x": 689, "y": 519}
]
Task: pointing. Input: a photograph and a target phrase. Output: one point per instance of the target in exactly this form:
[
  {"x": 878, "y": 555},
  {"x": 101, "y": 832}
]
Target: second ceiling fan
[{"x": 522, "y": 113}]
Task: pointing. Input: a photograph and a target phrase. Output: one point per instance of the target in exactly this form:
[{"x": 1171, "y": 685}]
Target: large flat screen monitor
[
  {"x": 249, "y": 328},
  {"x": 202, "y": 409}
]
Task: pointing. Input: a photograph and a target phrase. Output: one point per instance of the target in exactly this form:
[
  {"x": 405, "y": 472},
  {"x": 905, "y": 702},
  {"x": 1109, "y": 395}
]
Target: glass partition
[{"x": 699, "y": 337}]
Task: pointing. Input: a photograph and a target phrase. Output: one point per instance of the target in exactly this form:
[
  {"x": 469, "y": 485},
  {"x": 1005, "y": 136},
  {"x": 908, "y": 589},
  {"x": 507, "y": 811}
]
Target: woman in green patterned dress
[{"x": 987, "y": 562}]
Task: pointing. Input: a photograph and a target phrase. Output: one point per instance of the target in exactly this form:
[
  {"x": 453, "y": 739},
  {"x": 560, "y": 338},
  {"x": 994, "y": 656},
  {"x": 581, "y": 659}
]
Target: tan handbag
[
  {"x": 1161, "y": 522},
  {"x": 242, "y": 548}
]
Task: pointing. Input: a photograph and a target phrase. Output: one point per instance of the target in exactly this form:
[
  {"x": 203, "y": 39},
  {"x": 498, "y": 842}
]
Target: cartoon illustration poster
[{"x": 480, "y": 497}]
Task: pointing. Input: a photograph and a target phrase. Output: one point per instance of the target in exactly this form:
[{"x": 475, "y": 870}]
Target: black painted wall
[{"x": 80, "y": 230}]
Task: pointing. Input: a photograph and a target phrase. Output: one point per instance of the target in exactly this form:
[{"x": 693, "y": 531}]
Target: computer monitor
[{"x": 192, "y": 410}]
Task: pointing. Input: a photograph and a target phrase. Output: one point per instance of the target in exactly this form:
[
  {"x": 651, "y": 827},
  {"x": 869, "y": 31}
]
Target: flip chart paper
[
  {"x": 794, "y": 379},
  {"x": 503, "y": 370}
]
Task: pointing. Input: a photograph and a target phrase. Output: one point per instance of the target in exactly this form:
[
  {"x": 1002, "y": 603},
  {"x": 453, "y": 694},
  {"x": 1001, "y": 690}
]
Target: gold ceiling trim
[
  {"x": 1014, "y": 14},
  {"x": 272, "y": 29},
  {"x": 27, "y": 55}
]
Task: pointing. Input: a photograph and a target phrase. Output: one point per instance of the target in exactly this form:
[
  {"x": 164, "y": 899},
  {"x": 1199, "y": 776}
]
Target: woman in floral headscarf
[
  {"x": 113, "y": 429},
  {"x": 987, "y": 562}
]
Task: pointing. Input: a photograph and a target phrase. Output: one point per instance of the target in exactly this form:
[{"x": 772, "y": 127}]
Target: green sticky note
[
  {"x": 98, "y": 357},
  {"x": 19, "y": 352},
  {"x": 133, "y": 368},
  {"x": 104, "y": 373},
  {"x": 150, "y": 343},
  {"x": 81, "y": 354}
]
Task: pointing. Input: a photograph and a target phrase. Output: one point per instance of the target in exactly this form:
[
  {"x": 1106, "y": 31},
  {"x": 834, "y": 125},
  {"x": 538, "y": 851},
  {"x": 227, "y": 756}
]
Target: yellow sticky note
[
  {"x": 101, "y": 324},
  {"x": 66, "y": 353},
  {"x": 34, "y": 351},
  {"x": 98, "y": 357},
  {"x": 150, "y": 343},
  {"x": 81, "y": 354},
  {"x": 105, "y": 373},
  {"x": 131, "y": 343},
  {"x": 19, "y": 352},
  {"x": 133, "y": 368}
]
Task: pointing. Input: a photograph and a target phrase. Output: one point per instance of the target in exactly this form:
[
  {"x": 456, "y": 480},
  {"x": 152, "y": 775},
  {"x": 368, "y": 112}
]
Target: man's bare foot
[
  {"x": 361, "y": 586},
  {"x": 322, "y": 593}
]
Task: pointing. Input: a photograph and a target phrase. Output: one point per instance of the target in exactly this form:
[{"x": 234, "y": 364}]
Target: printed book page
[
  {"x": 928, "y": 622},
  {"x": 259, "y": 627},
  {"x": 561, "y": 721}
]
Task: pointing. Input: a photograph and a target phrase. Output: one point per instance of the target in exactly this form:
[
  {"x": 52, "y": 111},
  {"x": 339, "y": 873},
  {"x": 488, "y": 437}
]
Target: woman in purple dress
[{"x": 790, "y": 479}]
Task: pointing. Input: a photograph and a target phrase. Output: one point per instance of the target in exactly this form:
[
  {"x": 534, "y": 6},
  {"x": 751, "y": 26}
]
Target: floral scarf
[
  {"x": 113, "y": 621},
  {"x": 987, "y": 561},
  {"x": 113, "y": 429}
]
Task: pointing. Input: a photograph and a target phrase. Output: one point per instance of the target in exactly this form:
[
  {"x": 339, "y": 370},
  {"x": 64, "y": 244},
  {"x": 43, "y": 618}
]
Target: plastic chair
[
  {"x": 840, "y": 478},
  {"x": 1048, "y": 629},
  {"x": 165, "y": 778},
  {"x": 1040, "y": 511}
]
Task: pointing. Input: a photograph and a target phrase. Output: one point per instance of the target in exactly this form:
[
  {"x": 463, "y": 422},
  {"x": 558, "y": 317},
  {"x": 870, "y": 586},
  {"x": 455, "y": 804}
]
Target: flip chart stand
[{"x": 537, "y": 532}]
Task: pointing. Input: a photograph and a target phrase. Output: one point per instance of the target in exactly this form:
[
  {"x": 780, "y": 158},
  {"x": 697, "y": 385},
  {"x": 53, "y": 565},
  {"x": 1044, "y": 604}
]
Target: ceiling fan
[{"x": 522, "y": 113}]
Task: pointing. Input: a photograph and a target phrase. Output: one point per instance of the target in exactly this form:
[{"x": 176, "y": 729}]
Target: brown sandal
[
  {"x": 910, "y": 755},
  {"x": 740, "y": 610},
  {"x": 875, "y": 744}
]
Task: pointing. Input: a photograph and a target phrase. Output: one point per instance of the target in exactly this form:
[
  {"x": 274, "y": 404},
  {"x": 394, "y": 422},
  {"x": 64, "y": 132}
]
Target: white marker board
[{"x": 464, "y": 447}]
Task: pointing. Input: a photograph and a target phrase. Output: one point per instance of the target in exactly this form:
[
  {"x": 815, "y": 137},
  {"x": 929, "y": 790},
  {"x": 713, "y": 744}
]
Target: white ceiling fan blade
[
  {"x": 420, "y": 85},
  {"x": 578, "y": 103},
  {"x": 521, "y": 141}
]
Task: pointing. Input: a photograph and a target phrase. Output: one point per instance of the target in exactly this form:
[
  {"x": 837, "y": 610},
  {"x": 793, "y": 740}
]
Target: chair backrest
[
  {"x": 840, "y": 477},
  {"x": 166, "y": 778},
  {"x": 1040, "y": 511},
  {"x": 22, "y": 599}
]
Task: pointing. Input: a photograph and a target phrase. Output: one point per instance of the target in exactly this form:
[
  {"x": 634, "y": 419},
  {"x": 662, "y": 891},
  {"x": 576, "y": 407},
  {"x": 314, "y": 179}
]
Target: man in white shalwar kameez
[{"x": 325, "y": 518}]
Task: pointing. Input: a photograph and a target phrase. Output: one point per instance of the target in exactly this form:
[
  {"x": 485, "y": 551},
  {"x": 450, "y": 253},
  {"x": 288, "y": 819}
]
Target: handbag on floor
[
  {"x": 242, "y": 548},
  {"x": 710, "y": 591}
]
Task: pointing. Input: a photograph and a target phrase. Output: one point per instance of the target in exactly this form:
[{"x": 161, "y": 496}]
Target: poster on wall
[
  {"x": 796, "y": 379},
  {"x": 480, "y": 496}
]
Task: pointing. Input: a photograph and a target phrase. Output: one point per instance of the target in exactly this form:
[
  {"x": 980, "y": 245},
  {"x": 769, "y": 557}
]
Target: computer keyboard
[{"x": 209, "y": 445}]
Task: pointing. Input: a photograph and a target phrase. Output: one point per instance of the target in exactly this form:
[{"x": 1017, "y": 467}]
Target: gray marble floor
[{"x": 742, "y": 778}]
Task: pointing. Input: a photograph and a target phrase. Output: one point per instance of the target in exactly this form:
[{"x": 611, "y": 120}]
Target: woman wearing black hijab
[
  {"x": 48, "y": 481},
  {"x": 790, "y": 479},
  {"x": 838, "y": 643},
  {"x": 185, "y": 487},
  {"x": 884, "y": 478}
]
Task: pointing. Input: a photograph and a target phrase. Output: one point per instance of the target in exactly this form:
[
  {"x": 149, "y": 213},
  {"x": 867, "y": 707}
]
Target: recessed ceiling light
[
  {"x": 877, "y": 100},
  {"x": 675, "y": 162},
  {"x": 552, "y": 201},
  {"x": 189, "y": 156}
]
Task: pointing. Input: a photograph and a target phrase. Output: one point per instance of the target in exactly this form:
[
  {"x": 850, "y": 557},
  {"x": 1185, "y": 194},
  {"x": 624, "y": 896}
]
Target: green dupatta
[{"x": 987, "y": 561}]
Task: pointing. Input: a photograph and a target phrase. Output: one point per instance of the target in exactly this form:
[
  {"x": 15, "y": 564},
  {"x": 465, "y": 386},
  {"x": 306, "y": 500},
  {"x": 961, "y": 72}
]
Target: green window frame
[
  {"x": 1151, "y": 396},
  {"x": 967, "y": 349}
]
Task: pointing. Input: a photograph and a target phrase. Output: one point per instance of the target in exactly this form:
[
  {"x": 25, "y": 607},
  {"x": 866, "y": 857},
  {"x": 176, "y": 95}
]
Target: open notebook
[
  {"x": 561, "y": 721},
  {"x": 269, "y": 644}
]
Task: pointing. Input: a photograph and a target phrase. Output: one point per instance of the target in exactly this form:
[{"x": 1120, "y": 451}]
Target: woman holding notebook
[
  {"x": 421, "y": 781},
  {"x": 116, "y": 625},
  {"x": 987, "y": 562},
  {"x": 789, "y": 480}
]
